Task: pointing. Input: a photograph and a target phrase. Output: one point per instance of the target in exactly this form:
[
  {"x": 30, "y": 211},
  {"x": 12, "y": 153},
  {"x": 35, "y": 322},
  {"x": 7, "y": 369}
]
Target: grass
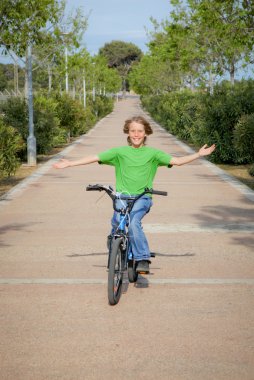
[
  {"x": 240, "y": 172},
  {"x": 8, "y": 182}
]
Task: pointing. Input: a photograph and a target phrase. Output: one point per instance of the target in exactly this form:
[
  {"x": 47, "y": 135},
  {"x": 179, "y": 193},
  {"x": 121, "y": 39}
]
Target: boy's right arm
[{"x": 62, "y": 164}]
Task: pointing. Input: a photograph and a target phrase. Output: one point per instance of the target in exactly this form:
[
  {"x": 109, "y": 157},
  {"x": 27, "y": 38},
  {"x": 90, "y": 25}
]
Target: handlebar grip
[
  {"x": 93, "y": 188},
  {"x": 157, "y": 192}
]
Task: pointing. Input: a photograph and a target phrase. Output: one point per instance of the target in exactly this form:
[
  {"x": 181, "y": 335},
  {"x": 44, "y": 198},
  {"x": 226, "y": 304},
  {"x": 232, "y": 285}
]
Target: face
[{"x": 136, "y": 134}]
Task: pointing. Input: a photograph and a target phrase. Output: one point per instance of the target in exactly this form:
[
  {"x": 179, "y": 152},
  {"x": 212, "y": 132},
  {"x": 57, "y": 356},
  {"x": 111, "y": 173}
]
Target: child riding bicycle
[{"x": 135, "y": 168}]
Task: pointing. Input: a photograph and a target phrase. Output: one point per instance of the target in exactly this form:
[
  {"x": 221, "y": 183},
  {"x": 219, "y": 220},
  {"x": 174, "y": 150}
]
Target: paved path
[{"x": 190, "y": 319}]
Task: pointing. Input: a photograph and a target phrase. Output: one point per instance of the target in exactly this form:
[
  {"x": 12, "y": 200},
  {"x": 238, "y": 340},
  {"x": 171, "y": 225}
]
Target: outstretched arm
[
  {"x": 204, "y": 151},
  {"x": 83, "y": 161}
]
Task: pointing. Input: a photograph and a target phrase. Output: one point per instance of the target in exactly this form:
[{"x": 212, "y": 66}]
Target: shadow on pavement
[
  {"x": 239, "y": 219},
  {"x": 14, "y": 227}
]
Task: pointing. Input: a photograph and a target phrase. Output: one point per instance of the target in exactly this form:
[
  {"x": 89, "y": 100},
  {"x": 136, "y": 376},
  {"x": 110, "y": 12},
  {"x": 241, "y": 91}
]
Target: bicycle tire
[
  {"x": 132, "y": 273},
  {"x": 115, "y": 272}
]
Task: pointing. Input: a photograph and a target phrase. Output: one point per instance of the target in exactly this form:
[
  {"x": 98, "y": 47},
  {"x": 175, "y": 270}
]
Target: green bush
[
  {"x": 251, "y": 170},
  {"x": 74, "y": 118},
  {"x": 202, "y": 118},
  {"x": 222, "y": 110},
  {"x": 178, "y": 112},
  {"x": 56, "y": 118},
  {"x": 10, "y": 144},
  {"x": 46, "y": 124},
  {"x": 244, "y": 139},
  {"x": 15, "y": 113},
  {"x": 102, "y": 106}
]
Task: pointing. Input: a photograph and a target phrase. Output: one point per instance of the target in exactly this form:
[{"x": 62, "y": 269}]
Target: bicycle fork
[{"x": 121, "y": 233}]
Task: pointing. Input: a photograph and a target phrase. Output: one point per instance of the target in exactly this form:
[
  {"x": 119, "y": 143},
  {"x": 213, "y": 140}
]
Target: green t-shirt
[{"x": 135, "y": 168}]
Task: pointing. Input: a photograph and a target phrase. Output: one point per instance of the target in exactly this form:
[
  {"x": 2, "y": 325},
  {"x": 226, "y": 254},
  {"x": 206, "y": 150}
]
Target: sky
[
  {"x": 108, "y": 20},
  {"x": 124, "y": 20},
  {"x": 119, "y": 20}
]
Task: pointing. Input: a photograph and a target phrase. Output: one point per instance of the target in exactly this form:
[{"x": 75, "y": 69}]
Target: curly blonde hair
[{"x": 140, "y": 120}]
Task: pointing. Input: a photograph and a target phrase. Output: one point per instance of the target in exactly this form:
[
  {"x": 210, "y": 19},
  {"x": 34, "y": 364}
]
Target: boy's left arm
[{"x": 204, "y": 151}]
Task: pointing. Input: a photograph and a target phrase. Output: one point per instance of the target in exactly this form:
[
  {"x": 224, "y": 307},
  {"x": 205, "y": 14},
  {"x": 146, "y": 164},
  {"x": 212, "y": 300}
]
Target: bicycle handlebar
[
  {"x": 97, "y": 187},
  {"x": 109, "y": 190},
  {"x": 158, "y": 192}
]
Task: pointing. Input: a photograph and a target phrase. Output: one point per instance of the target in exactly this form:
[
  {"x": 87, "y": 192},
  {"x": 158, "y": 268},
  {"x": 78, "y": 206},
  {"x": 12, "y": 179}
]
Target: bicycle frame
[
  {"x": 122, "y": 229},
  {"x": 124, "y": 211}
]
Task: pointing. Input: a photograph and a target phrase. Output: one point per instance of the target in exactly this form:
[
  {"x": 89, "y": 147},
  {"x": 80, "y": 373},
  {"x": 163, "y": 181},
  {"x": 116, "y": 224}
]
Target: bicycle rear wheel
[{"x": 115, "y": 272}]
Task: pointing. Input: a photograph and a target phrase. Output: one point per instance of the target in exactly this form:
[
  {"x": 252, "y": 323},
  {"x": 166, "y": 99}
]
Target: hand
[
  {"x": 61, "y": 164},
  {"x": 205, "y": 151}
]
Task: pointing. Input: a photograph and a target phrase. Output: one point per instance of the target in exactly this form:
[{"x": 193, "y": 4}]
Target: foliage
[
  {"x": 22, "y": 20},
  {"x": 46, "y": 123},
  {"x": 121, "y": 55},
  {"x": 244, "y": 138},
  {"x": 224, "y": 118},
  {"x": 222, "y": 112},
  {"x": 7, "y": 77},
  {"x": 10, "y": 144},
  {"x": 56, "y": 118},
  {"x": 15, "y": 113},
  {"x": 64, "y": 38},
  {"x": 74, "y": 118},
  {"x": 3, "y": 79},
  {"x": 102, "y": 106},
  {"x": 199, "y": 42},
  {"x": 251, "y": 170},
  {"x": 105, "y": 77},
  {"x": 152, "y": 76}
]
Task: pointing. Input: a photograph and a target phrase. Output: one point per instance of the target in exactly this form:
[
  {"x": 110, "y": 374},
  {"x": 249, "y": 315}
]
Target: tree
[
  {"x": 121, "y": 55},
  {"x": 66, "y": 33},
  {"x": 22, "y": 20},
  {"x": 228, "y": 28},
  {"x": 106, "y": 78},
  {"x": 204, "y": 39},
  {"x": 177, "y": 46},
  {"x": 152, "y": 76},
  {"x": 3, "y": 78}
]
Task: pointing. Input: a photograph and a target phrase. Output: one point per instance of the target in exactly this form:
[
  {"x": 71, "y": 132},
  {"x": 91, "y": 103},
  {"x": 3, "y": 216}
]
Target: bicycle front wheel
[{"x": 115, "y": 272}]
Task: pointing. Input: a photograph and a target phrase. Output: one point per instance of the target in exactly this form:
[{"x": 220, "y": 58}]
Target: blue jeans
[{"x": 138, "y": 241}]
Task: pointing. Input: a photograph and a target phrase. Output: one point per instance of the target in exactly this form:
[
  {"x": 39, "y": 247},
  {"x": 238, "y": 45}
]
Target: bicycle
[{"x": 120, "y": 257}]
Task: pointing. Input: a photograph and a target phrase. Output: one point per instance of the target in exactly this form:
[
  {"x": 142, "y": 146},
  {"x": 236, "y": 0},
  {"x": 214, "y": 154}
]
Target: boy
[{"x": 135, "y": 168}]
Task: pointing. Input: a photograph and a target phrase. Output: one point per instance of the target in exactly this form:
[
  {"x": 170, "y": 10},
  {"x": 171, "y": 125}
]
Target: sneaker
[{"x": 143, "y": 266}]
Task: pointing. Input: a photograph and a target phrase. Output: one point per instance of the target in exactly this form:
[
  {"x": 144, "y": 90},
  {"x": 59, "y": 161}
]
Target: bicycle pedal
[{"x": 152, "y": 254}]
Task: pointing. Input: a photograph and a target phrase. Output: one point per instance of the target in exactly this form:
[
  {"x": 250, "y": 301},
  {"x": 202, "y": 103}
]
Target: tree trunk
[
  {"x": 50, "y": 78},
  {"x": 211, "y": 85},
  {"x": 16, "y": 78},
  {"x": 232, "y": 73}
]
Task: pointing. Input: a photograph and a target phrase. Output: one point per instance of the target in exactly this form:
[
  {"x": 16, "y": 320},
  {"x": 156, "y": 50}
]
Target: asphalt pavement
[{"x": 191, "y": 318}]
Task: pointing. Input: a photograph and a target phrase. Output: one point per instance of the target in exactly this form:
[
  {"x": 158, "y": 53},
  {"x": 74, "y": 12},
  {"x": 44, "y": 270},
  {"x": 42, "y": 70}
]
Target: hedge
[
  {"x": 56, "y": 119},
  {"x": 10, "y": 144},
  {"x": 224, "y": 118}
]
